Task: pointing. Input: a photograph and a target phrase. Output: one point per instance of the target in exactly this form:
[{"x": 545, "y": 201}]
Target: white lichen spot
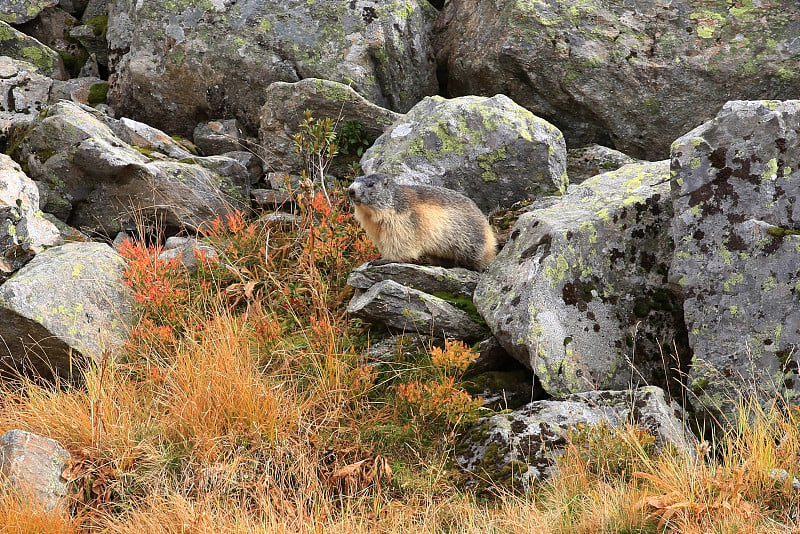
[{"x": 402, "y": 131}]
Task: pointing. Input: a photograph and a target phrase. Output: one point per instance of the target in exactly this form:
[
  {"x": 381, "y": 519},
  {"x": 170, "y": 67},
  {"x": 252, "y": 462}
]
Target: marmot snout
[{"x": 407, "y": 222}]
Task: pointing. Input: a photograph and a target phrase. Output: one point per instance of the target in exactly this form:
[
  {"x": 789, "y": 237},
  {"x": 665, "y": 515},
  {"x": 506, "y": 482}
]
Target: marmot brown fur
[{"x": 407, "y": 222}]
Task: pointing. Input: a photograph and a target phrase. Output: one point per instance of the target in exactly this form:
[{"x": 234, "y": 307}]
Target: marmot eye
[{"x": 370, "y": 184}]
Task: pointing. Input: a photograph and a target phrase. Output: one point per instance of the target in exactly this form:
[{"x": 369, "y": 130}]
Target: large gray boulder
[
  {"x": 287, "y": 102},
  {"x": 93, "y": 176},
  {"x": 735, "y": 188},
  {"x": 19, "y": 11},
  {"x": 24, "y": 231},
  {"x": 67, "y": 305},
  {"x": 634, "y": 75},
  {"x": 520, "y": 448},
  {"x": 491, "y": 149},
  {"x": 31, "y": 467},
  {"x": 15, "y": 44},
  {"x": 579, "y": 293},
  {"x": 220, "y": 57},
  {"x": 52, "y": 28}
]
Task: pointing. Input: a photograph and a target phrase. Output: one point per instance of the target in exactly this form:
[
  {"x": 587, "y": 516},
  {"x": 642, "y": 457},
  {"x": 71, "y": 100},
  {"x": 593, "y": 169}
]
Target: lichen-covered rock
[
  {"x": 284, "y": 108},
  {"x": 520, "y": 448},
  {"x": 579, "y": 294},
  {"x": 457, "y": 282},
  {"x": 23, "y": 229},
  {"x": 735, "y": 188},
  {"x": 92, "y": 175},
  {"x": 51, "y": 28},
  {"x": 19, "y": 11},
  {"x": 491, "y": 149},
  {"x": 634, "y": 75},
  {"x": 17, "y": 45},
  {"x": 31, "y": 466},
  {"x": 400, "y": 308},
  {"x": 53, "y": 152},
  {"x": 181, "y": 194},
  {"x": 68, "y": 303},
  {"x": 588, "y": 161},
  {"x": 180, "y": 63},
  {"x": 68, "y": 233},
  {"x": 23, "y": 90}
]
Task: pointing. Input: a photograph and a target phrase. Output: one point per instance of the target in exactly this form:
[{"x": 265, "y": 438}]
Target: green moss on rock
[
  {"x": 98, "y": 94},
  {"x": 99, "y": 25}
]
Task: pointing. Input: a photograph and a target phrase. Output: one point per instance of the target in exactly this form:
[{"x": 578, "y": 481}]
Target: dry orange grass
[
  {"x": 20, "y": 516},
  {"x": 212, "y": 392}
]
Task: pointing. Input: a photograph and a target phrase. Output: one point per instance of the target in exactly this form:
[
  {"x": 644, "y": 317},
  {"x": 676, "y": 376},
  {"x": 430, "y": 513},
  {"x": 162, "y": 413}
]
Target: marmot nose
[{"x": 351, "y": 192}]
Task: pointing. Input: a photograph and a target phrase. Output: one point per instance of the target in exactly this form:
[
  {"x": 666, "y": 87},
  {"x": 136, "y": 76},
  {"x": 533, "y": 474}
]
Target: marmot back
[{"x": 407, "y": 222}]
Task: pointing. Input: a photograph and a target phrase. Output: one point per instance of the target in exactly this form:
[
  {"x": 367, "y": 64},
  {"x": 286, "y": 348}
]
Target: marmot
[{"x": 407, "y": 222}]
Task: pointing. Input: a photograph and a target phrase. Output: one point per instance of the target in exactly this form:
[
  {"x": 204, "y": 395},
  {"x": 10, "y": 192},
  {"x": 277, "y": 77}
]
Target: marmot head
[{"x": 372, "y": 190}]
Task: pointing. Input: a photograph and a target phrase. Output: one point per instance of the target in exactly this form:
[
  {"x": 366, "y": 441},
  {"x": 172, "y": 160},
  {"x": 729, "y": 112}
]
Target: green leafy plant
[
  {"x": 316, "y": 144},
  {"x": 354, "y": 138}
]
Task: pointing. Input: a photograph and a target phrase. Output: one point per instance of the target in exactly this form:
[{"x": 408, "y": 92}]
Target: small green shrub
[
  {"x": 354, "y": 139},
  {"x": 316, "y": 144}
]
